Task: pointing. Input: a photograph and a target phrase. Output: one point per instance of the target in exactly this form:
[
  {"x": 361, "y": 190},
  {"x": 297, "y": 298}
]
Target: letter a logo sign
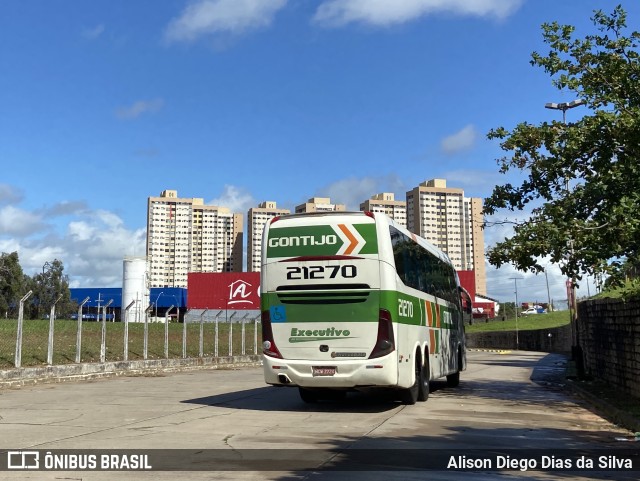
[{"x": 239, "y": 292}]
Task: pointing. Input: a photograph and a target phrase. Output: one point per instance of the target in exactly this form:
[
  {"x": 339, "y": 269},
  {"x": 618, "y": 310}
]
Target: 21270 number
[{"x": 348, "y": 271}]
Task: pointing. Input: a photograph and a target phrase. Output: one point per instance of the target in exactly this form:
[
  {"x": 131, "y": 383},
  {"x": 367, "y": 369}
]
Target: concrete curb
[
  {"x": 76, "y": 372},
  {"x": 499, "y": 351}
]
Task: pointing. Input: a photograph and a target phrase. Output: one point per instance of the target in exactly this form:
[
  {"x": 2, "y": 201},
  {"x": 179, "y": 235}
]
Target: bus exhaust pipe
[{"x": 284, "y": 379}]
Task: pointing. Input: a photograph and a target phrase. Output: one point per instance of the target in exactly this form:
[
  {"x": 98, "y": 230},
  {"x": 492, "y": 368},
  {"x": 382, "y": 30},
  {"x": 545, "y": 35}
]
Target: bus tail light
[
  {"x": 268, "y": 344},
  {"x": 385, "y": 343}
]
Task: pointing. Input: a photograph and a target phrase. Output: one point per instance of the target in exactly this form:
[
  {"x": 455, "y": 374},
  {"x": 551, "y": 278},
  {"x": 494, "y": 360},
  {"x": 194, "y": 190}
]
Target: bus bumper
[{"x": 349, "y": 373}]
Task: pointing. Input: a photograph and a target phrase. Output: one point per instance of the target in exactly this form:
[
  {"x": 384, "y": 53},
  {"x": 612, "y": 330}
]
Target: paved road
[{"x": 505, "y": 400}]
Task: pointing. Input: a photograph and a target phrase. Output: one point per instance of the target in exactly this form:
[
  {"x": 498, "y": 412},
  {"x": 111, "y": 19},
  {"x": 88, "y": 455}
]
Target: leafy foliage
[
  {"x": 48, "y": 287},
  {"x": 582, "y": 179},
  {"x": 12, "y": 282}
]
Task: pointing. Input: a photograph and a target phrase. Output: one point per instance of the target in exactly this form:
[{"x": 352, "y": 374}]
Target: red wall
[
  {"x": 468, "y": 281},
  {"x": 223, "y": 290}
]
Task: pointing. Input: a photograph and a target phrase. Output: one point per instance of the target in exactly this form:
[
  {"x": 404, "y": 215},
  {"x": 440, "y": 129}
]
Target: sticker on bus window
[{"x": 278, "y": 314}]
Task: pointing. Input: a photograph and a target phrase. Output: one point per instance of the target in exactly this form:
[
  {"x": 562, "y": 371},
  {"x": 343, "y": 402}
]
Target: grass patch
[
  {"x": 525, "y": 323},
  {"x": 630, "y": 290},
  {"x": 35, "y": 336}
]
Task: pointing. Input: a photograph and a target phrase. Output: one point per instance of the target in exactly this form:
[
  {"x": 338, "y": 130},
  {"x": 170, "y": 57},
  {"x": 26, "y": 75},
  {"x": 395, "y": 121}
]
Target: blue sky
[{"x": 108, "y": 102}]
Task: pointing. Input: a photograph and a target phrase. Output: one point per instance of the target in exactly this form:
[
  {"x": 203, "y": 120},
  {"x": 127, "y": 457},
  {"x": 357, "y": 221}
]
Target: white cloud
[
  {"x": 34, "y": 256},
  {"x": 93, "y": 32},
  {"x": 353, "y": 191},
  {"x": 80, "y": 231},
  {"x": 66, "y": 208},
  {"x": 19, "y": 222},
  {"x": 140, "y": 107},
  {"x": 475, "y": 182},
  {"x": 9, "y": 245},
  {"x": 92, "y": 249},
  {"x": 461, "y": 141},
  {"x": 90, "y": 244},
  {"x": 531, "y": 286},
  {"x": 385, "y": 12},
  {"x": 237, "y": 199},
  {"x": 206, "y": 17},
  {"x": 9, "y": 194}
]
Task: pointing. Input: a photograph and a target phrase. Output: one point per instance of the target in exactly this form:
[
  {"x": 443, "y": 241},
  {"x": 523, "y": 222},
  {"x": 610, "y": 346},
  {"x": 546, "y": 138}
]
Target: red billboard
[{"x": 223, "y": 290}]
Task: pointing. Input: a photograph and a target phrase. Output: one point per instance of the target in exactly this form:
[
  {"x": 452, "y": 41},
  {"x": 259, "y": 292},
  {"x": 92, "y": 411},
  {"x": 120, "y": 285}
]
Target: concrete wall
[
  {"x": 609, "y": 334},
  {"x": 68, "y": 372},
  {"x": 557, "y": 339}
]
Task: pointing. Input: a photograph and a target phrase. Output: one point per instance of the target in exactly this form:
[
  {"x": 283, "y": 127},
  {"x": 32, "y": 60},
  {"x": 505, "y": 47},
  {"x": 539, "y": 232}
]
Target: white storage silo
[{"x": 135, "y": 287}]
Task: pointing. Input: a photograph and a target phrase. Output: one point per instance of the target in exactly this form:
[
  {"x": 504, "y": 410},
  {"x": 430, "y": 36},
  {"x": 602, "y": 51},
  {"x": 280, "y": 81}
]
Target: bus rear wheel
[
  {"x": 420, "y": 389},
  {"x": 453, "y": 380},
  {"x": 423, "y": 393}
]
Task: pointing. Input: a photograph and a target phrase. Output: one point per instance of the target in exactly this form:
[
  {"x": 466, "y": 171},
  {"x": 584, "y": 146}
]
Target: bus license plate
[{"x": 323, "y": 370}]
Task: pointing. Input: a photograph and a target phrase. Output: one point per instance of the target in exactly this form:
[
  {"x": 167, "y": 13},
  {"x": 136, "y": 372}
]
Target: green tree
[
  {"x": 508, "y": 310},
  {"x": 13, "y": 283},
  {"x": 581, "y": 180},
  {"x": 47, "y": 287}
]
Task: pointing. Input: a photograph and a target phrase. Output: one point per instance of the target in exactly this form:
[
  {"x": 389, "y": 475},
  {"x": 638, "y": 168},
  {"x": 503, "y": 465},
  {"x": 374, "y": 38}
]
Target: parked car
[{"x": 531, "y": 310}]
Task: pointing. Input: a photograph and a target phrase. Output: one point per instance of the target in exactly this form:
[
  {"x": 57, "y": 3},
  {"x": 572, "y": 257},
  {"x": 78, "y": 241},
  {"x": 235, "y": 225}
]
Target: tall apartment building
[
  {"x": 185, "y": 235},
  {"x": 386, "y": 204},
  {"x": 452, "y": 222},
  {"x": 257, "y": 217},
  {"x": 319, "y": 204}
]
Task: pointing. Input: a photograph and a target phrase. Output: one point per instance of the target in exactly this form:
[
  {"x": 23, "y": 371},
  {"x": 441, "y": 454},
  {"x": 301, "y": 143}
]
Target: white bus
[{"x": 352, "y": 300}]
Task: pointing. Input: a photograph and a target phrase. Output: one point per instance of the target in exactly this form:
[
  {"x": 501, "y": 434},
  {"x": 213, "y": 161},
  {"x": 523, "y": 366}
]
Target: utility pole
[
  {"x": 548, "y": 293},
  {"x": 515, "y": 282}
]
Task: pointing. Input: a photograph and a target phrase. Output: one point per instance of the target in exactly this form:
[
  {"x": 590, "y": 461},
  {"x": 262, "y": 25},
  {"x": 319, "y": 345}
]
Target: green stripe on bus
[{"x": 404, "y": 308}]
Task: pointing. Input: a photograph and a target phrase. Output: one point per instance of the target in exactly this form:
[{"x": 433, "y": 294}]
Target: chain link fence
[{"x": 54, "y": 341}]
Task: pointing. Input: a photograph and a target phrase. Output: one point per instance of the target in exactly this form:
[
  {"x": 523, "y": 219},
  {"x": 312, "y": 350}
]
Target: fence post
[
  {"x": 103, "y": 344},
  {"x": 215, "y": 347},
  {"x": 184, "y": 333},
  {"x": 255, "y": 335},
  {"x": 125, "y": 354},
  {"x": 201, "y": 351},
  {"x": 231, "y": 333},
  {"x": 145, "y": 340},
  {"x": 244, "y": 322},
  {"x": 52, "y": 316},
  {"x": 79, "y": 331},
  {"x": 18, "y": 357},
  {"x": 166, "y": 332}
]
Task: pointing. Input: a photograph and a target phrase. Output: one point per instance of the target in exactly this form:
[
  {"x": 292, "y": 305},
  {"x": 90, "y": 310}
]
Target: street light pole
[
  {"x": 564, "y": 106},
  {"x": 573, "y": 312},
  {"x": 156, "y": 306},
  {"x": 515, "y": 281}
]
